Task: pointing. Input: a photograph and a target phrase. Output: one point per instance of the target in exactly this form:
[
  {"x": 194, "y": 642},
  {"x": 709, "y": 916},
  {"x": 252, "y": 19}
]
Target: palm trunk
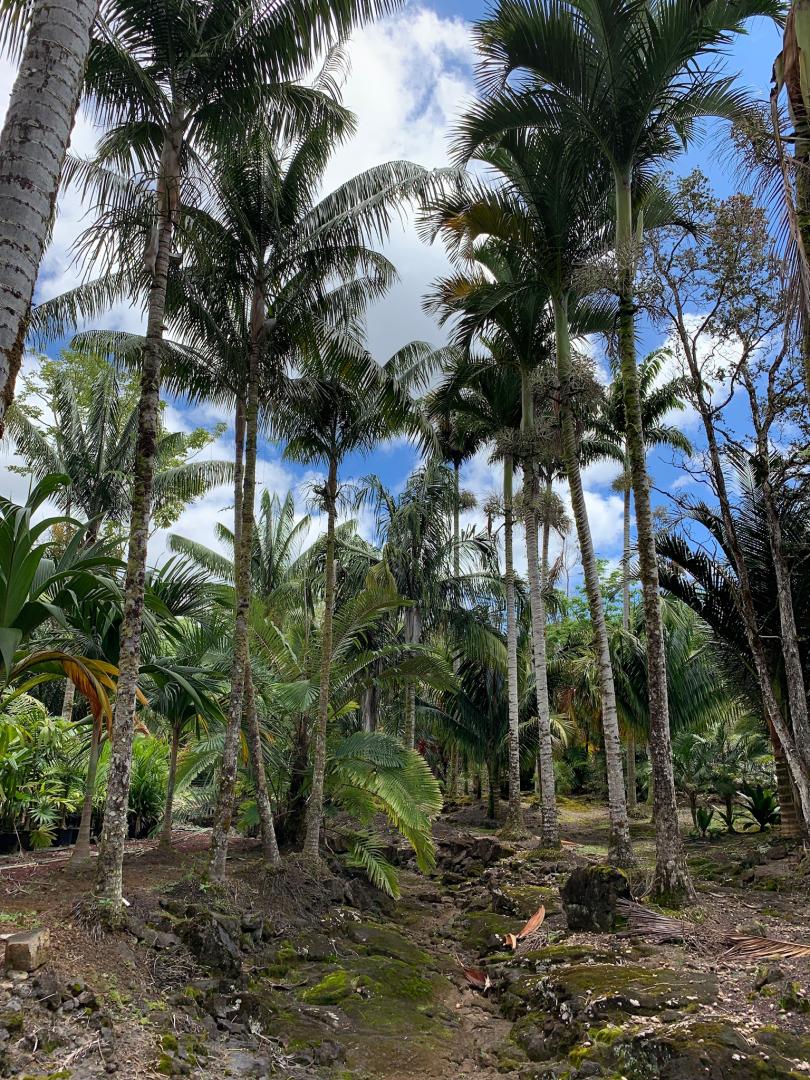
[
  {"x": 242, "y": 589},
  {"x": 33, "y": 145},
  {"x": 671, "y": 876},
  {"x": 630, "y": 740},
  {"x": 109, "y": 884},
  {"x": 81, "y": 849},
  {"x": 413, "y": 636},
  {"x": 514, "y": 820},
  {"x": 316, "y": 798},
  {"x": 268, "y": 830},
  {"x": 166, "y": 831},
  {"x": 453, "y": 772},
  {"x": 549, "y": 827},
  {"x": 491, "y": 791},
  {"x": 67, "y": 700},
  {"x": 620, "y": 851}
]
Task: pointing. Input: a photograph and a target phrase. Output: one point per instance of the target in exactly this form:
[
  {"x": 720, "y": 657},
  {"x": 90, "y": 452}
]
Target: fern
[{"x": 365, "y": 854}]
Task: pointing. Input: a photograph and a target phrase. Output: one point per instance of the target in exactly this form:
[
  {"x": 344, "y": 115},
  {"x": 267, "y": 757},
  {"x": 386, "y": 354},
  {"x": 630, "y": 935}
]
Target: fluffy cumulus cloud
[{"x": 410, "y": 76}]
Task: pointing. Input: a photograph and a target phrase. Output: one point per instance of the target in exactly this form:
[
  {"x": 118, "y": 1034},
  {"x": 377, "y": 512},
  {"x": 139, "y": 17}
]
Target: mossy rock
[
  {"x": 612, "y": 990},
  {"x": 383, "y": 941},
  {"x": 523, "y": 901},
  {"x": 543, "y": 1037},
  {"x": 555, "y": 955},
  {"x": 11, "y": 1021},
  {"x": 590, "y": 895},
  {"x": 713, "y": 1049},
  {"x": 785, "y": 1043},
  {"x": 483, "y": 931},
  {"x": 333, "y": 988}
]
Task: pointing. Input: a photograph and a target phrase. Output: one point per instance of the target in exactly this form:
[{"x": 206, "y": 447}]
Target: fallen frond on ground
[{"x": 653, "y": 926}]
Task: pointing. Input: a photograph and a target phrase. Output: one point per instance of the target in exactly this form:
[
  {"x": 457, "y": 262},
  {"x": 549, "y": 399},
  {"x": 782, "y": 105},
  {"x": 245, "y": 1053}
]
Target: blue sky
[{"x": 411, "y": 75}]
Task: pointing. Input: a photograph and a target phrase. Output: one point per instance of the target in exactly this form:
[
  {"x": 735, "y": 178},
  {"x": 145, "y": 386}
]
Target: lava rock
[
  {"x": 211, "y": 937},
  {"x": 590, "y": 896}
]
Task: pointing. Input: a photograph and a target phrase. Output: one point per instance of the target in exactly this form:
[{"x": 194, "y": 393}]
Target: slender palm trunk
[
  {"x": 790, "y": 825},
  {"x": 413, "y": 636},
  {"x": 671, "y": 876},
  {"x": 33, "y": 145},
  {"x": 67, "y": 700},
  {"x": 630, "y": 740},
  {"x": 268, "y": 830},
  {"x": 171, "y": 783},
  {"x": 240, "y": 662},
  {"x": 514, "y": 820},
  {"x": 492, "y": 786},
  {"x": 620, "y": 851},
  {"x": 81, "y": 849},
  {"x": 312, "y": 838},
  {"x": 453, "y": 771},
  {"x": 109, "y": 883},
  {"x": 538, "y": 580}
]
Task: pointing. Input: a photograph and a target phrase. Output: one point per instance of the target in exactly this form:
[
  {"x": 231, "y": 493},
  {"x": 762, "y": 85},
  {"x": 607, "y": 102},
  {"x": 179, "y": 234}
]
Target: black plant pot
[{"x": 8, "y": 843}]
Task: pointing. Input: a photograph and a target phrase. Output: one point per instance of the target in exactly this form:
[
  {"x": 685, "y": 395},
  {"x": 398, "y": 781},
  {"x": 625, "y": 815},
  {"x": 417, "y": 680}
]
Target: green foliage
[{"x": 762, "y": 804}]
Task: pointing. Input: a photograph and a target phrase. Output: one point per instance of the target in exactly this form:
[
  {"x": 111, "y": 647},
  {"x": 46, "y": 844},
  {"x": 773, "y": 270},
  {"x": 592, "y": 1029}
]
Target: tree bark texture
[
  {"x": 33, "y": 146},
  {"x": 242, "y": 590},
  {"x": 166, "y": 831}
]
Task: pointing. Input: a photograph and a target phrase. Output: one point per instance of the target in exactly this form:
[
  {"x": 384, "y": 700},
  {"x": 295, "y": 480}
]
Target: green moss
[
  {"x": 165, "y": 1065},
  {"x": 384, "y": 941},
  {"x": 480, "y": 928},
  {"x": 608, "y": 1034},
  {"x": 525, "y": 900},
  {"x": 553, "y": 955},
  {"x": 169, "y": 1042},
  {"x": 332, "y": 989},
  {"x": 11, "y": 1021}
]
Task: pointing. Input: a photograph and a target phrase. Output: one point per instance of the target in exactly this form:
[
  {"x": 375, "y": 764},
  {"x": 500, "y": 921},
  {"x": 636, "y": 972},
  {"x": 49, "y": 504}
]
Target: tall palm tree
[
  {"x": 299, "y": 274},
  {"x": 630, "y": 81},
  {"x": 33, "y": 146},
  {"x": 522, "y": 325},
  {"x": 551, "y": 205},
  {"x": 419, "y": 550},
  {"x": 658, "y": 399},
  {"x": 488, "y": 394},
  {"x": 340, "y": 404},
  {"x": 171, "y": 83}
]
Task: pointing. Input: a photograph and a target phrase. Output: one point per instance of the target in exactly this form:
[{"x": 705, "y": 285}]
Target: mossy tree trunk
[
  {"x": 267, "y": 827},
  {"x": 171, "y": 782},
  {"x": 514, "y": 820}
]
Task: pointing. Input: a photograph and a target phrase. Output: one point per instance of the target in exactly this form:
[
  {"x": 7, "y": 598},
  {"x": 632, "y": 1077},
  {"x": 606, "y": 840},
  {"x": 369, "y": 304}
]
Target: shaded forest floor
[{"x": 280, "y": 974}]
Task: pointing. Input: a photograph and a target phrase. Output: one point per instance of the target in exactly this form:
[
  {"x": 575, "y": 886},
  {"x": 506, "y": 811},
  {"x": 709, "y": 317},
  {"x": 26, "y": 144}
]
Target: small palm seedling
[{"x": 762, "y": 804}]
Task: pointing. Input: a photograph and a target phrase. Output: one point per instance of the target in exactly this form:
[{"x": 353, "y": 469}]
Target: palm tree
[
  {"x": 342, "y": 403},
  {"x": 522, "y": 325},
  {"x": 299, "y": 274},
  {"x": 488, "y": 394},
  {"x": 419, "y": 550},
  {"x": 628, "y": 82},
  {"x": 43, "y": 101},
  {"x": 96, "y": 449},
  {"x": 657, "y": 401},
  {"x": 551, "y": 205},
  {"x": 171, "y": 84}
]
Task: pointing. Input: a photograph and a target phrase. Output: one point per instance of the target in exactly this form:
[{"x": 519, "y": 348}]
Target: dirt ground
[{"x": 354, "y": 986}]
